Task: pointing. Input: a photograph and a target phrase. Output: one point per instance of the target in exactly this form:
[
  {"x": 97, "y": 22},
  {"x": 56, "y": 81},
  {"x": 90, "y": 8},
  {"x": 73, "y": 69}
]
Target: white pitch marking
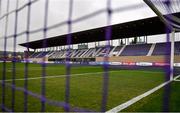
[
  {"x": 39, "y": 68},
  {"x": 176, "y": 78},
  {"x": 136, "y": 99},
  {"x": 56, "y": 76},
  {"x": 60, "y": 76}
]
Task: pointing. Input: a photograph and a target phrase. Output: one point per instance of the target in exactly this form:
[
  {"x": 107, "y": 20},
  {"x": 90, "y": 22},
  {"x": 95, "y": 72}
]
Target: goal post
[
  {"x": 172, "y": 39},
  {"x": 172, "y": 35},
  {"x": 158, "y": 13}
]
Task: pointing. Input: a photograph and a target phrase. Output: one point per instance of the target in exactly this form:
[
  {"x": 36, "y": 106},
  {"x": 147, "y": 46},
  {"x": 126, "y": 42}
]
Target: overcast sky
[{"x": 58, "y": 12}]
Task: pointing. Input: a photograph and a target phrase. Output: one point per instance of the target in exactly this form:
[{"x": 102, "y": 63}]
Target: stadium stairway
[
  {"x": 122, "y": 49},
  {"x": 151, "y": 50}
]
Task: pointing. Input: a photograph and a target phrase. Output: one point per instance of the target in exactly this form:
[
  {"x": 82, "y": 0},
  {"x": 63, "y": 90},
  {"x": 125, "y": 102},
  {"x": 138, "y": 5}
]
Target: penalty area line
[
  {"x": 55, "y": 76},
  {"x": 136, "y": 99}
]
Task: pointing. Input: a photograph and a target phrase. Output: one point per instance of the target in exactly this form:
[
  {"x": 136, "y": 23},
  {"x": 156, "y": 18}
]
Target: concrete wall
[
  {"x": 138, "y": 59},
  {"x": 39, "y": 59}
]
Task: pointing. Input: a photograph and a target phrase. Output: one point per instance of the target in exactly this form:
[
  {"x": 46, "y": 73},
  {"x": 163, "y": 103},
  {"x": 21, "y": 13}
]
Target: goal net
[{"x": 35, "y": 69}]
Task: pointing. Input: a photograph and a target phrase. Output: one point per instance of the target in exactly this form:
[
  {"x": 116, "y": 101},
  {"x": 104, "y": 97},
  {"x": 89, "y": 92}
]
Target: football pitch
[{"x": 86, "y": 88}]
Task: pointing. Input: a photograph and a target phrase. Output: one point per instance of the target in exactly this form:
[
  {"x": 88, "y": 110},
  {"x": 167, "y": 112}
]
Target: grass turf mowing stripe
[
  {"x": 72, "y": 75},
  {"x": 136, "y": 99}
]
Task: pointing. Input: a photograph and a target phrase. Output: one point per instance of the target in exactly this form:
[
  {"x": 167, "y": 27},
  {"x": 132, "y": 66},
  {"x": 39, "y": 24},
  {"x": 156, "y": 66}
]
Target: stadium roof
[{"x": 144, "y": 27}]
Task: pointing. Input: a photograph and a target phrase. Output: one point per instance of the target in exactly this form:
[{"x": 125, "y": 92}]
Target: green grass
[
  {"x": 155, "y": 101},
  {"x": 85, "y": 90}
]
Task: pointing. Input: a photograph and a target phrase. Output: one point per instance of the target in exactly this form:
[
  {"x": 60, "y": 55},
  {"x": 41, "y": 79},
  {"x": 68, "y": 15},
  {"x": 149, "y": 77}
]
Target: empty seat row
[{"x": 128, "y": 50}]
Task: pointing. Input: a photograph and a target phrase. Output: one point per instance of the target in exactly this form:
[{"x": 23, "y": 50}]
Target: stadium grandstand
[
  {"x": 112, "y": 68},
  {"x": 116, "y": 53},
  {"x": 137, "y": 46}
]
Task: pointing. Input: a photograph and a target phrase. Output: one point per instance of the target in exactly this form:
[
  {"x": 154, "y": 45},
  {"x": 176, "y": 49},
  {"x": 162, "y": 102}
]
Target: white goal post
[{"x": 172, "y": 36}]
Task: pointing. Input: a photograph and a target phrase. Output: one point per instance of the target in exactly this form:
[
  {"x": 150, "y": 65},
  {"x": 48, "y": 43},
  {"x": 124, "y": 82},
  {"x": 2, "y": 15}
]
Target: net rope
[{"x": 42, "y": 97}]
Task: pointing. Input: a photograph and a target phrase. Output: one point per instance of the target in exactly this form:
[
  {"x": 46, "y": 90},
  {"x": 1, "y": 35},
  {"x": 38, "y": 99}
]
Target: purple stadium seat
[{"x": 136, "y": 50}]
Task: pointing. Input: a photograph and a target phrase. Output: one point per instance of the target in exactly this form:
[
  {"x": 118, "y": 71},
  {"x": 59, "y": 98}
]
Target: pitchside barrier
[{"x": 114, "y": 63}]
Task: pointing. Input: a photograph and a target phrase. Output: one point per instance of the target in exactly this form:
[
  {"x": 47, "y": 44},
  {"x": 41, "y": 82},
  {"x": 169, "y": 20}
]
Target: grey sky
[{"x": 58, "y": 12}]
